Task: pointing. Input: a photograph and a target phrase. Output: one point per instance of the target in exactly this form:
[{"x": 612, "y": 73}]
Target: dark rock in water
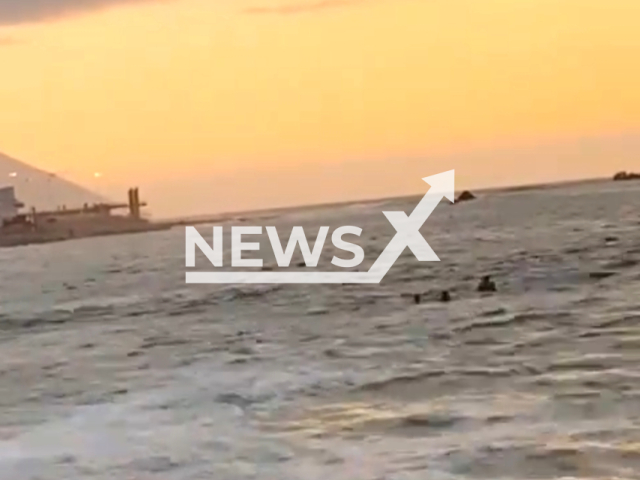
[
  {"x": 626, "y": 176},
  {"x": 465, "y": 196},
  {"x": 611, "y": 239},
  {"x": 445, "y": 296},
  {"x": 417, "y": 298},
  {"x": 601, "y": 275},
  {"x": 487, "y": 285}
]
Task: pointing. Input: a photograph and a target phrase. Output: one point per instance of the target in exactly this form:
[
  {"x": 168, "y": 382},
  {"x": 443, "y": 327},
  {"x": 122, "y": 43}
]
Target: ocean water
[{"x": 111, "y": 367}]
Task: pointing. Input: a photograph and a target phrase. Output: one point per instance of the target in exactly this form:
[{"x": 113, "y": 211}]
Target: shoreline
[
  {"x": 25, "y": 239},
  {"x": 40, "y": 238},
  {"x": 261, "y": 213}
]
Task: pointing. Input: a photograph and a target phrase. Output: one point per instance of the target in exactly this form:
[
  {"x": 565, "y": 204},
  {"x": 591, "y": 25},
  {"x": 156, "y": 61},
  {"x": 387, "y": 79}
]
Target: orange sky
[{"x": 197, "y": 89}]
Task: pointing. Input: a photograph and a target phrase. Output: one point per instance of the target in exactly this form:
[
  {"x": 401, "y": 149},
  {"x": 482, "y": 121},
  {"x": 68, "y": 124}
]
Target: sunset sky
[{"x": 213, "y": 105}]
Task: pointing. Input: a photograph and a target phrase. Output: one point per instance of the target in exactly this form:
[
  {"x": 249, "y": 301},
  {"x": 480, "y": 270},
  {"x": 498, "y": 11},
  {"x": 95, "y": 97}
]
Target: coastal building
[{"x": 9, "y": 204}]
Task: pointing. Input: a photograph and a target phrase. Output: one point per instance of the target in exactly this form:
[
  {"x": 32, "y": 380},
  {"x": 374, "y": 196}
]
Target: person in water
[{"x": 487, "y": 285}]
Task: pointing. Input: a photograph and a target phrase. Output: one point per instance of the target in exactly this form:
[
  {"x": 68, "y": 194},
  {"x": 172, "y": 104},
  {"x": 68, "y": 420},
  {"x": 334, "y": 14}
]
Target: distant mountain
[{"x": 40, "y": 189}]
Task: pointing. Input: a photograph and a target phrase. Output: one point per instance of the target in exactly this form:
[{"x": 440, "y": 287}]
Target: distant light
[
  {"x": 97, "y": 174},
  {"x": 13, "y": 174}
]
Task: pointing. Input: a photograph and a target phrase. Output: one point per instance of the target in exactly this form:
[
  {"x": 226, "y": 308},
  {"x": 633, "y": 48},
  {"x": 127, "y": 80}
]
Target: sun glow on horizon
[{"x": 157, "y": 89}]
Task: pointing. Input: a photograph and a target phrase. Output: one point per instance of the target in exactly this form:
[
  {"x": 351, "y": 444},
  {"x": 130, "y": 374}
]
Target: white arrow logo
[{"x": 407, "y": 235}]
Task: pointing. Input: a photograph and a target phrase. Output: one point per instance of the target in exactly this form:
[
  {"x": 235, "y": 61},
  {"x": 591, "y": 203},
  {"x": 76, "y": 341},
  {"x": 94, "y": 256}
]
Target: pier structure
[{"x": 62, "y": 223}]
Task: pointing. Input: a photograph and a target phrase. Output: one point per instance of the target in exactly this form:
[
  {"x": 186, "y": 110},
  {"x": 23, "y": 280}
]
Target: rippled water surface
[{"x": 113, "y": 368}]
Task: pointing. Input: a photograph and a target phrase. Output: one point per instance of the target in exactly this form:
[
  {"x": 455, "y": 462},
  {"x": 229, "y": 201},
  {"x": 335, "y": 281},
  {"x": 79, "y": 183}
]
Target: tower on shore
[{"x": 134, "y": 203}]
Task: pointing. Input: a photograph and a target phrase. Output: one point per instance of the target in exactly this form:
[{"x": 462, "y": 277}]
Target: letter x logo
[{"x": 408, "y": 227}]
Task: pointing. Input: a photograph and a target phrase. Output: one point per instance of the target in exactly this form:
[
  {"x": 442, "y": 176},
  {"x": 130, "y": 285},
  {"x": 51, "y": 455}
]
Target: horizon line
[{"x": 204, "y": 218}]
